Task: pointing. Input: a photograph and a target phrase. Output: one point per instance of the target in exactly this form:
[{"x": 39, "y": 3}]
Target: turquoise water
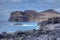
[{"x": 10, "y": 27}]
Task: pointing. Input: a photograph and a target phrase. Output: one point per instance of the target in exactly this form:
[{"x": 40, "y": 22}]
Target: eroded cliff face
[
  {"x": 32, "y": 16},
  {"x": 18, "y": 16},
  {"x": 26, "y": 16}
]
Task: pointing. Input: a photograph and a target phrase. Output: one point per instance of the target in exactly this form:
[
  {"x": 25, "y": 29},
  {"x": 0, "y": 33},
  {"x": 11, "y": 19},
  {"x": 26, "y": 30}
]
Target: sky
[{"x": 8, "y": 6}]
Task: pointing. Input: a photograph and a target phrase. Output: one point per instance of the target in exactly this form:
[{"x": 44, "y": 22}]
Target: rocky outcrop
[
  {"x": 31, "y": 35},
  {"x": 49, "y": 30},
  {"x": 52, "y": 27},
  {"x": 32, "y": 16},
  {"x": 26, "y": 16},
  {"x": 50, "y": 24}
]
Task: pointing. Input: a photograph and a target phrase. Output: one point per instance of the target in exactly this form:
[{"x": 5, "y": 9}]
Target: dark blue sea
[{"x": 6, "y": 26}]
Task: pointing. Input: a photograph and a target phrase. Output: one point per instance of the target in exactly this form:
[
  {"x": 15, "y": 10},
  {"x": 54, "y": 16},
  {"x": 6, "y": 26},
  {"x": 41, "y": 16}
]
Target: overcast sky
[{"x": 7, "y": 6}]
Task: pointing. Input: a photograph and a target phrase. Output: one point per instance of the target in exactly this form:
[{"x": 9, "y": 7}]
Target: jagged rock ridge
[{"x": 50, "y": 24}]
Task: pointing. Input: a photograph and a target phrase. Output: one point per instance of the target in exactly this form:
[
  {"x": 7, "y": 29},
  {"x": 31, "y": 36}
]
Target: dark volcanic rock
[
  {"x": 54, "y": 20},
  {"x": 50, "y": 24},
  {"x": 31, "y": 35}
]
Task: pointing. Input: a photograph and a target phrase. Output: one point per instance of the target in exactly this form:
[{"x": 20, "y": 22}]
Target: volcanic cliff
[{"x": 32, "y": 16}]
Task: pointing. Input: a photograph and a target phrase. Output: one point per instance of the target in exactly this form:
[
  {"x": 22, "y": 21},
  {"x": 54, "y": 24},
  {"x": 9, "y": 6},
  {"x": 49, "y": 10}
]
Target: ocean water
[{"x": 6, "y": 26}]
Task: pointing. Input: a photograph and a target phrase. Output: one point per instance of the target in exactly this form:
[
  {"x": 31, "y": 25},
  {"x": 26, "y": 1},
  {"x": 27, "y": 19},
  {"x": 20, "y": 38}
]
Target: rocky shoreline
[
  {"x": 31, "y": 35},
  {"x": 53, "y": 24}
]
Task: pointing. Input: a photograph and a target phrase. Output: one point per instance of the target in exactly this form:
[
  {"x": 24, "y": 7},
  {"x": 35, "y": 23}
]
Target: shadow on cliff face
[
  {"x": 19, "y": 16},
  {"x": 25, "y": 19}
]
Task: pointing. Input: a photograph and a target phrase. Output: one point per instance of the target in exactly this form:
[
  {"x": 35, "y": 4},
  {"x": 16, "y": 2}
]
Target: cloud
[
  {"x": 19, "y": 1},
  {"x": 57, "y": 9},
  {"x": 12, "y": 1},
  {"x": 3, "y": 0},
  {"x": 4, "y": 12},
  {"x": 45, "y": 1},
  {"x": 15, "y": 0},
  {"x": 51, "y": 1},
  {"x": 48, "y": 1}
]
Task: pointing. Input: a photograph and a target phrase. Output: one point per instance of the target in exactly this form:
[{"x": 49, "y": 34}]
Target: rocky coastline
[
  {"x": 31, "y": 35},
  {"x": 28, "y": 35},
  {"x": 40, "y": 34},
  {"x": 49, "y": 25}
]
